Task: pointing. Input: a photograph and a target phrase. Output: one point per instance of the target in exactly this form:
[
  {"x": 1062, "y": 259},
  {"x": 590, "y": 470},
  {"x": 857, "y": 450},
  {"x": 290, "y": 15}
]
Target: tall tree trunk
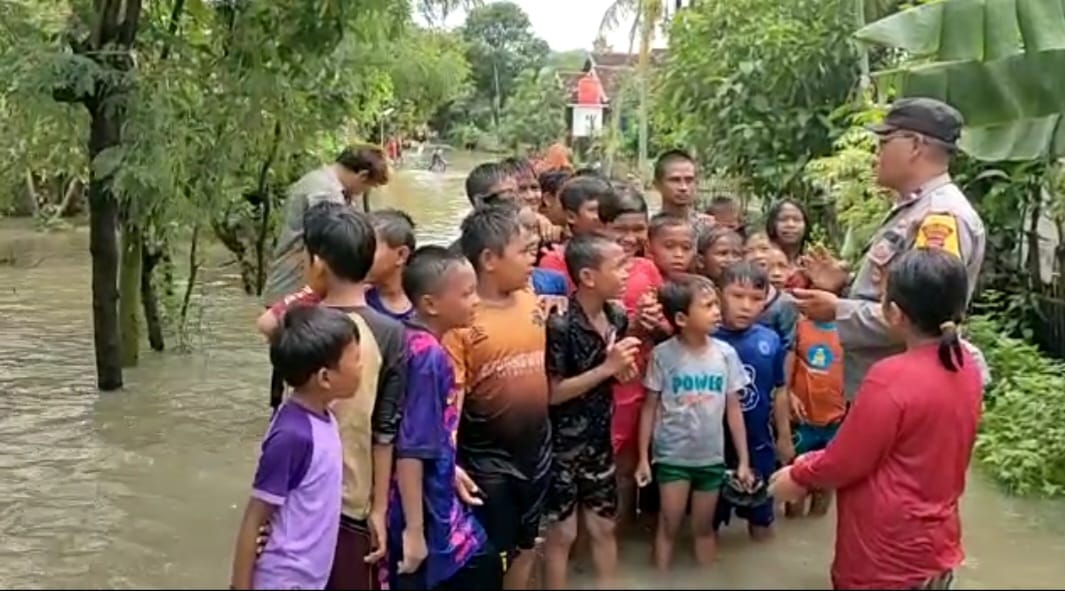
[
  {"x": 129, "y": 287},
  {"x": 149, "y": 256},
  {"x": 265, "y": 211},
  {"x": 149, "y": 296},
  {"x": 647, "y": 34},
  {"x": 103, "y": 246},
  {"x": 68, "y": 196},
  {"x": 109, "y": 44},
  {"x": 190, "y": 285},
  {"x": 29, "y": 206}
]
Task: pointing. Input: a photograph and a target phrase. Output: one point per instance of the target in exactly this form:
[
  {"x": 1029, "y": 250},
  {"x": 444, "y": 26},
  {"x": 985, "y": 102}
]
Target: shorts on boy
[
  {"x": 512, "y": 510},
  {"x": 810, "y": 437},
  {"x": 705, "y": 479},
  {"x": 583, "y": 475},
  {"x": 350, "y": 570},
  {"x": 504, "y": 437},
  {"x": 584, "y": 472}
]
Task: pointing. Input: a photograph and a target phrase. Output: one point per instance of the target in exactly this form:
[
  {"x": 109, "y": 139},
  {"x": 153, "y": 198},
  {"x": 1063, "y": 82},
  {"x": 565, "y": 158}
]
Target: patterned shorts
[{"x": 583, "y": 475}]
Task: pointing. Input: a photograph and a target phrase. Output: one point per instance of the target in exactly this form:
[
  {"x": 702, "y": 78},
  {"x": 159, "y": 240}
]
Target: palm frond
[{"x": 616, "y": 13}]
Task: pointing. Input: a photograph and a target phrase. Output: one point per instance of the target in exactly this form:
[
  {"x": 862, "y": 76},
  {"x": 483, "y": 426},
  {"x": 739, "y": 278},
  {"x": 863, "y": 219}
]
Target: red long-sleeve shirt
[{"x": 899, "y": 464}]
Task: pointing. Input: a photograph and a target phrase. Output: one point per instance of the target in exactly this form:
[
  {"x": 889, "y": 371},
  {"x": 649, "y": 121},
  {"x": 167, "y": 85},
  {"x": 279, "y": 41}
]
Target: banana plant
[{"x": 1000, "y": 62}]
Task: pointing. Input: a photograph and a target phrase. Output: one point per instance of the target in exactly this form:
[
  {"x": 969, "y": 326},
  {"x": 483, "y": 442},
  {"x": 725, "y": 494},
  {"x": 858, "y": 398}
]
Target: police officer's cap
[{"x": 926, "y": 116}]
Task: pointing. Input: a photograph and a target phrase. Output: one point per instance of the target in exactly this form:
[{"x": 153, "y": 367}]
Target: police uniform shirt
[{"x": 938, "y": 215}]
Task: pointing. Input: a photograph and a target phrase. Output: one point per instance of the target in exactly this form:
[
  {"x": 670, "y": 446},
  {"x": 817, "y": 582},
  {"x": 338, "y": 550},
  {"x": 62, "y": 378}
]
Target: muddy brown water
[{"x": 143, "y": 488}]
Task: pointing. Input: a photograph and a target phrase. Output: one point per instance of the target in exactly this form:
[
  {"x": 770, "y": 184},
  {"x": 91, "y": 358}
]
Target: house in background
[{"x": 593, "y": 88}]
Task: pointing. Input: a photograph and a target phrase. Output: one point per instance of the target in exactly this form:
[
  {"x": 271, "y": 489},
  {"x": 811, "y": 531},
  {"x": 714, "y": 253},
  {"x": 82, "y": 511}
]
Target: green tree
[
  {"x": 198, "y": 115},
  {"x": 426, "y": 69},
  {"x": 754, "y": 87},
  {"x": 501, "y": 44},
  {"x": 535, "y": 115}
]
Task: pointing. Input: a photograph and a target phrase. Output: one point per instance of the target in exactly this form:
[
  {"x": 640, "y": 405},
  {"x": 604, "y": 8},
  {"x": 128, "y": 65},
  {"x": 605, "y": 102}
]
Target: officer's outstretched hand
[
  {"x": 816, "y": 304},
  {"x": 824, "y": 270}
]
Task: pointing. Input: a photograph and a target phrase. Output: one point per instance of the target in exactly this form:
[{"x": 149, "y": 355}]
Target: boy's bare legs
[
  {"x": 560, "y": 538},
  {"x": 601, "y": 535},
  {"x": 795, "y": 509},
  {"x": 581, "y": 549},
  {"x": 626, "y": 463},
  {"x": 820, "y": 502},
  {"x": 760, "y": 533},
  {"x": 520, "y": 571},
  {"x": 674, "y": 500},
  {"x": 703, "y": 535}
]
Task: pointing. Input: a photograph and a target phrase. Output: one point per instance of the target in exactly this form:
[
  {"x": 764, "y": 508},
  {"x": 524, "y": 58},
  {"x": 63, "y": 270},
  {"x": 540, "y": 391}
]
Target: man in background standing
[{"x": 356, "y": 170}]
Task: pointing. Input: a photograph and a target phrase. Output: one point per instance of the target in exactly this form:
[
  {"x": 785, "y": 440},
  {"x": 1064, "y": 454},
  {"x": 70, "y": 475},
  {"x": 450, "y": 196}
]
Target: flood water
[{"x": 144, "y": 488}]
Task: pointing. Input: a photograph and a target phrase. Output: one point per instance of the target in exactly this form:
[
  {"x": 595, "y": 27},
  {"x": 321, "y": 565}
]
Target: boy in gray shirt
[{"x": 693, "y": 382}]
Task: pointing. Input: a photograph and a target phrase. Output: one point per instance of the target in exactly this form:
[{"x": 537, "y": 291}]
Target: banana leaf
[{"x": 1000, "y": 62}]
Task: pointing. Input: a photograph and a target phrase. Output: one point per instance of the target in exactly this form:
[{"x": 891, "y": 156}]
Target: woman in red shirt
[{"x": 900, "y": 459}]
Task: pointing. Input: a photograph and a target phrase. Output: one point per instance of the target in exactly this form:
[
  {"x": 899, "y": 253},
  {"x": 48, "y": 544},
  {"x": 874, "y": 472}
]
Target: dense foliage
[
  {"x": 198, "y": 114},
  {"x": 514, "y": 97},
  {"x": 534, "y": 115},
  {"x": 754, "y": 86},
  {"x": 1022, "y": 437},
  {"x": 849, "y": 202},
  {"x": 500, "y": 46}
]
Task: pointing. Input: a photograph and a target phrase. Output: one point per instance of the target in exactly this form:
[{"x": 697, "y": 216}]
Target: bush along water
[{"x": 1021, "y": 444}]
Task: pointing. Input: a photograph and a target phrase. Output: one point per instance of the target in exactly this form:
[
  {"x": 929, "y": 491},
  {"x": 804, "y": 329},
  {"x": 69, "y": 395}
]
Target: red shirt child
[
  {"x": 555, "y": 260},
  {"x": 643, "y": 278}
]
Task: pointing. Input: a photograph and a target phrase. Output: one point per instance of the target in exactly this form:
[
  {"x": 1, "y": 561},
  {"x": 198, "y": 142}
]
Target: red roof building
[{"x": 593, "y": 88}]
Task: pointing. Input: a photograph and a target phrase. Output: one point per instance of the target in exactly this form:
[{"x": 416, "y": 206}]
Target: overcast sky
[{"x": 568, "y": 24}]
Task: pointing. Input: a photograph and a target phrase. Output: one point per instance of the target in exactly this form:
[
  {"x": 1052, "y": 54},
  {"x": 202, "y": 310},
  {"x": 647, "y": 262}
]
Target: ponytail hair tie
[{"x": 950, "y": 352}]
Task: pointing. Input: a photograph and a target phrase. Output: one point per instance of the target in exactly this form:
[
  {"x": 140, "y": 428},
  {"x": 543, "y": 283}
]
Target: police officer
[{"x": 916, "y": 142}]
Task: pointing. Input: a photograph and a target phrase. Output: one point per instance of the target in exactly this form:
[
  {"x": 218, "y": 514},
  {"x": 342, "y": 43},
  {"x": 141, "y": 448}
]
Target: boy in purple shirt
[
  {"x": 434, "y": 540},
  {"x": 297, "y": 486}
]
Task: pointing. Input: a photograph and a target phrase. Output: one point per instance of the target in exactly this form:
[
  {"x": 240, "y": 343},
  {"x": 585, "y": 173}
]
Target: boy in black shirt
[{"x": 586, "y": 351}]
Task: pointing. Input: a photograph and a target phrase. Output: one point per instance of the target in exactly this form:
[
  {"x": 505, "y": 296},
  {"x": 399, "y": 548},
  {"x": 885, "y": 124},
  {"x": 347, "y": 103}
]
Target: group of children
[{"x": 569, "y": 361}]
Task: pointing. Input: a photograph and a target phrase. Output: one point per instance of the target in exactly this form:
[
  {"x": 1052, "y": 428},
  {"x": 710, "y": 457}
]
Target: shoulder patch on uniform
[{"x": 939, "y": 230}]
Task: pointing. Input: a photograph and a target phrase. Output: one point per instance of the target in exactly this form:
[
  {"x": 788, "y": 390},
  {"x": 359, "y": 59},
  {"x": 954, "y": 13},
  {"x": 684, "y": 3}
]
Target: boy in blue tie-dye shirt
[{"x": 435, "y": 542}]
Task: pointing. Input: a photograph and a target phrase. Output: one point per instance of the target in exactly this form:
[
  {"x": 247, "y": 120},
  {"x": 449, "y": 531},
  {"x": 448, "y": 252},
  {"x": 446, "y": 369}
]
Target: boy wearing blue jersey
[{"x": 764, "y": 401}]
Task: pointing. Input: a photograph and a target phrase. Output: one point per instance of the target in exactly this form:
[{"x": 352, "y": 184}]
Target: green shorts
[
  {"x": 813, "y": 437},
  {"x": 702, "y": 478}
]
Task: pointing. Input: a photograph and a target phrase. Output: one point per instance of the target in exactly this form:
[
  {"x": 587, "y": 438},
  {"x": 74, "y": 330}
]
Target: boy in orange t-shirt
[
  {"x": 815, "y": 370},
  {"x": 504, "y": 435}
]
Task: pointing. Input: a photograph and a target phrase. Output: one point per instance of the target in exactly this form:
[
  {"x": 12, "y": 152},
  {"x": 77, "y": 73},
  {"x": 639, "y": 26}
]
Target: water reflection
[{"x": 143, "y": 488}]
